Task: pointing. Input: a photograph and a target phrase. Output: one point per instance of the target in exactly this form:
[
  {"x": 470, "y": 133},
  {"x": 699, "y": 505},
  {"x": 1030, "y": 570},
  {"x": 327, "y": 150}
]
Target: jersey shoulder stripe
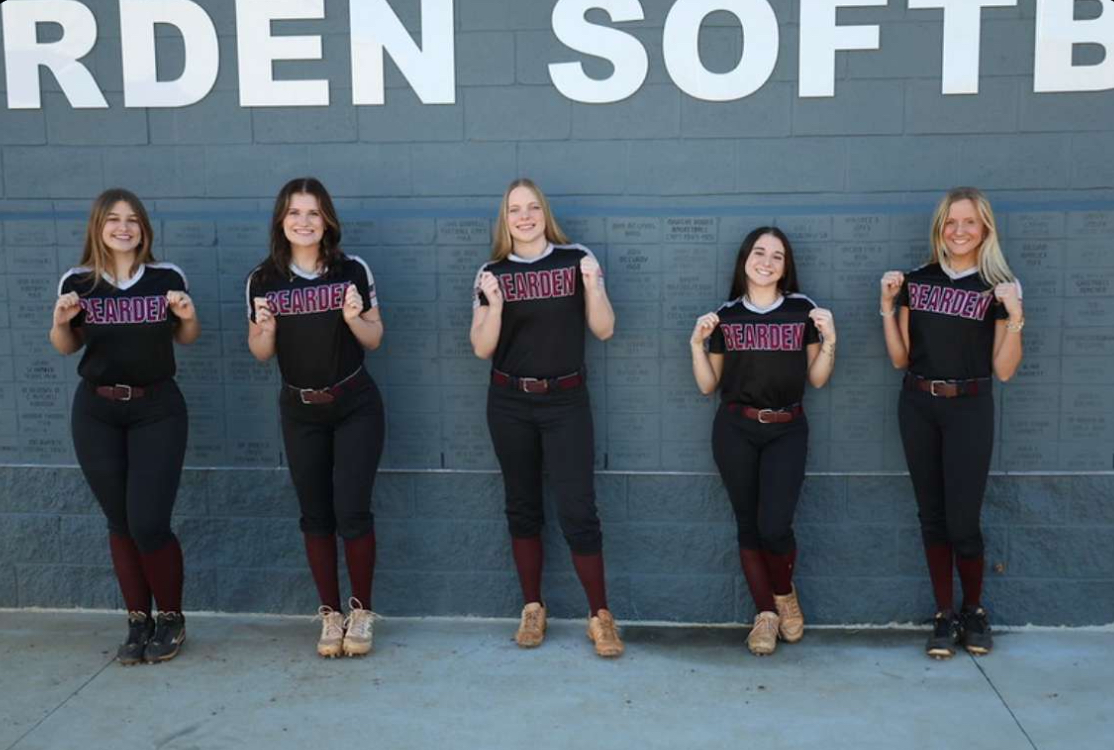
[
  {"x": 172, "y": 267},
  {"x": 75, "y": 271},
  {"x": 727, "y": 305},
  {"x": 367, "y": 269},
  {"x": 576, "y": 246},
  {"x": 805, "y": 297}
]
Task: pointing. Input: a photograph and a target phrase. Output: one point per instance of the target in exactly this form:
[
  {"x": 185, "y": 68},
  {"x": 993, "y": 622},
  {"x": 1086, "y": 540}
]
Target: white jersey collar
[
  {"x": 762, "y": 310},
  {"x": 957, "y": 275},
  {"x": 545, "y": 253}
]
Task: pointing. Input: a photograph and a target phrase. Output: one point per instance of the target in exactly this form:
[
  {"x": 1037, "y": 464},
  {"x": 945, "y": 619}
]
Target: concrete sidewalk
[{"x": 255, "y": 682}]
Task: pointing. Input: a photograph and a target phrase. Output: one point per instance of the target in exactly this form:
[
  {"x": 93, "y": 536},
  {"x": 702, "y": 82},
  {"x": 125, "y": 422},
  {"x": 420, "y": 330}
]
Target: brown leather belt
[
  {"x": 768, "y": 416},
  {"x": 120, "y": 392},
  {"x": 537, "y": 385},
  {"x": 947, "y": 388},
  {"x": 357, "y": 381}
]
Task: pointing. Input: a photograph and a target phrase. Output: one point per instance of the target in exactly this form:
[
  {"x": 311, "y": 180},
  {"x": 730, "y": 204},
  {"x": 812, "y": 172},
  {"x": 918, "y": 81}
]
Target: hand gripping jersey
[
  {"x": 765, "y": 362},
  {"x": 128, "y": 328},
  {"x": 315, "y": 347},
  {"x": 542, "y": 333},
  {"x": 951, "y": 323}
]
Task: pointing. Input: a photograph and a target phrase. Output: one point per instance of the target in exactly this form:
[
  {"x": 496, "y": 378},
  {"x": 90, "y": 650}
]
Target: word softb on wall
[
  {"x": 429, "y": 63},
  {"x": 662, "y": 272}
]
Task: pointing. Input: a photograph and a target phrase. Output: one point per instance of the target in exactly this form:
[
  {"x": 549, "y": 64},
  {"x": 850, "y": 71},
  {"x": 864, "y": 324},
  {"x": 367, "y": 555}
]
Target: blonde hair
[
  {"x": 993, "y": 268},
  {"x": 502, "y": 244},
  {"x": 96, "y": 256}
]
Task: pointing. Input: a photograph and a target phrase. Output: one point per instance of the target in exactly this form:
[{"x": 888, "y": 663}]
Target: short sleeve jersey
[
  {"x": 765, "y": 362},
  {"x": 314, "y": 346},
  {"x": 951, "y": 323},
  {"x": 128, "y": 328},
  {"x": 542, "y": 332}
]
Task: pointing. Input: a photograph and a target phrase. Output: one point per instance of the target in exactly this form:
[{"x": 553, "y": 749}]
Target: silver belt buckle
[
  {"x": 761, "y": 417},
  {"x": 933, "y": 384},
  {"x": 302, "y": 395},
  {"x": 125, "y": 388}
]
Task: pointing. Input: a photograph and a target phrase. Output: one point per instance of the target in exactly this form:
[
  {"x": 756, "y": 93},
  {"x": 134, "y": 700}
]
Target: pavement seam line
[
  {"x": 1003, "y": 700},
  {"x": 67, "y": 699}
]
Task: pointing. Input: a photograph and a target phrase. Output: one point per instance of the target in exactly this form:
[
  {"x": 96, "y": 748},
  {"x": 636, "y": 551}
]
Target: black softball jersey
[
  {"x": 128, "y": 327},
  {"x": 314, "y": 345},
  {"x": 765, "y": 362},
  {"x": 542, "y": 333},
  {"x": 951, "y": 322}
]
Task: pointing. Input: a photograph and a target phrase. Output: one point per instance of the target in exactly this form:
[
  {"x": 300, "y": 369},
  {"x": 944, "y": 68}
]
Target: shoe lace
[
  {"x": 608, "y": 631},
  {"x": 792, "y": 607},
  {"x": 163, "y": 622},
  {"x": 765, "y": 626},
  {"x": 943, "y": 626},
  {"x": 137, "y": 625},
  {"x": 332, "y": 625},
  {"x": 359, "y": 620},
  {"x": 532, "y": 619}
]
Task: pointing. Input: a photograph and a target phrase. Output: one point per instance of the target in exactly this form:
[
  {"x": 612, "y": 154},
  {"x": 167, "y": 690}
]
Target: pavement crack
[
  {"x": 68, "y": 698},
  {"x": 1003, "y": 700}
]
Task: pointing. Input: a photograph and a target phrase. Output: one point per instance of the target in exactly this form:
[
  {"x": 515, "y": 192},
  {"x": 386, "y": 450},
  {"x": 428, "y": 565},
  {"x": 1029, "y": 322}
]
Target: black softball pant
[
  {"x": 763, "y": 468},
  {"x": 333, "y": 452},
  {"x": 131, "y": 453},
  {"x": 948, "y": 444},
  {"x": 552, "y": 433}
]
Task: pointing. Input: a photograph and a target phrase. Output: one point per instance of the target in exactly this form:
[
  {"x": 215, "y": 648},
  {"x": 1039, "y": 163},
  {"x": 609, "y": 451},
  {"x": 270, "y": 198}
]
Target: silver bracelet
[{"x": 889, "y": 314}]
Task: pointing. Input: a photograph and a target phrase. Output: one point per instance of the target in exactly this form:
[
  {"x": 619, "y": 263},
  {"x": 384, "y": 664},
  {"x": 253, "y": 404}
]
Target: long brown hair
[
  {"x": 993, "y": 268},
  {"x": 502, "y": 245},
  {"x": 277, "y": 264},
  {"x": 96, "y": 255},
  {"x": 787, "y": 284}
]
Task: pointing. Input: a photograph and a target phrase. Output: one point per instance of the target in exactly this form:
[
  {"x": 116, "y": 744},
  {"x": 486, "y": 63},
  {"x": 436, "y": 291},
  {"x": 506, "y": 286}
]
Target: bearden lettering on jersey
[
  {"x": 960, "y": 303},
  {"x": 307, "y": 301},
  {"x": 767, "y": 337},
  {"x": 124, "y": 310},
  {"x": 527, "y": 285}
]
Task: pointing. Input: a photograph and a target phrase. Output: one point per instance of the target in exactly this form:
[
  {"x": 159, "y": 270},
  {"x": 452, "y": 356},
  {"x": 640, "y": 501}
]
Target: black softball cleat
[
  {"x": 976, "y": 631},
  {"x": 946, "y": 633},
  {"x": 140, "y": 629},
  {"x": 170, "y": 633}
]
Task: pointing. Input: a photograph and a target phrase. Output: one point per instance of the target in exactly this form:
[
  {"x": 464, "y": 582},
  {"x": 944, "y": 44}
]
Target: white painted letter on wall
[
  {"x": 962, "y": 35},
  {"x": 137, "y": 47},
  {"x": 257, "y": 50},
  {"x": 376, "y": 30},
  {"x": 681, "y": 48},
  {"x": 1057, "y": 33},
  {"x": 821, "y": 37},
  {"x": 23, "y": 53},
  {"x": 623, "y": 51}
]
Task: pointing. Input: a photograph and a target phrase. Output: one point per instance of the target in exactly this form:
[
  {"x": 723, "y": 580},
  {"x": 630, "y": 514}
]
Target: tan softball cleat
[
  {"x": 332, "y": 632},
  {"x": 531, "y": 630},
  {"x": 791, "y": 625},
  {"x": 603, "y": 632},
  {"x": 763, "y": 636},
  {"x": 358, "y": 629}
]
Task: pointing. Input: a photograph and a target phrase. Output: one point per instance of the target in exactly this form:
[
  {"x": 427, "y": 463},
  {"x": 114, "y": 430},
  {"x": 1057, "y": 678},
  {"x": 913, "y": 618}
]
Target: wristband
[{"x": 1015, "y": 327}]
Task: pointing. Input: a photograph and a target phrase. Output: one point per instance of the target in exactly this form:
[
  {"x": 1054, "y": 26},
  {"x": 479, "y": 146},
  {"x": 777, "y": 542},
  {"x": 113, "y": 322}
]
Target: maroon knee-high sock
[
  {"x": 321, "y": 551},
  {"x": 970, "y": 575},
  {"x": 163, "y": 570},
  {"x": 780, "y": 569},
  {"x": 939, "y": 558},
  {"x": 129, "y": 572},
  {"x": 359, "y": 553},
  {"x": 758, "y": 579},
  {"x": 527, "y": 553},
  {"x": 589, "y": 569}
]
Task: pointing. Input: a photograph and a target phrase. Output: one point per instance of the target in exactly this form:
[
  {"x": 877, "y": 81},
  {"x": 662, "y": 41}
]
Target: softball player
[
  {"x": 316, "y": 309},
  {"x": 951, "y": 324},
  {"x": 763, "y": 345},
  {"x": 530, "y": 306},
  {"x": 129, "y": 418}
]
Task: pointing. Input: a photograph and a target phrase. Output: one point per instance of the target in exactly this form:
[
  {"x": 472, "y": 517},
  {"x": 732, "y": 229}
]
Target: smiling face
[
  {"x": 304, "y": 224},
  {"x": 963, "y": 234},
  {"x": 122, "y": 231},
  {"x": 765, "y": 265},
  {"x": 525, "y": 216}
]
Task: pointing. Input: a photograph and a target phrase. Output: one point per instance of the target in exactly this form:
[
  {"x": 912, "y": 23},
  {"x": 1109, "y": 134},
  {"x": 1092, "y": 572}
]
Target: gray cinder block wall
[{"x": 662, "y": 187}]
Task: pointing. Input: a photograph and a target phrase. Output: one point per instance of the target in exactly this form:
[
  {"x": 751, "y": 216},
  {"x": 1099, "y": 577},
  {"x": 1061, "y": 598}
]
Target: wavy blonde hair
[
  {"x": 993, "y": 268},
  {"x": 96, "y": 254},
  {"x": 502, "y": 244}
]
